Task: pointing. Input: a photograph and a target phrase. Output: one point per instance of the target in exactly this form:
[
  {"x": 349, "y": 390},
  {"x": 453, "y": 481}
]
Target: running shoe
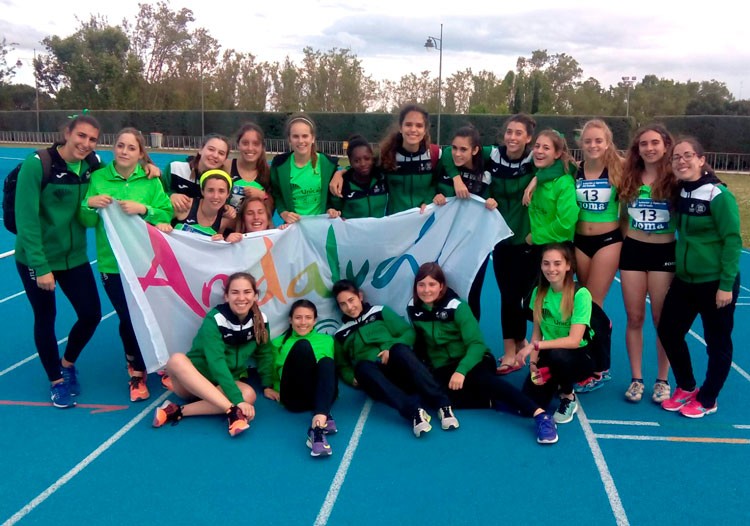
[
  {"x": 167, "y": 412},
  {"x": 679, "y": 399},
  {"x": 237, "y": 421},
  {"x": 568, "y": 408},
  {"x": 546, "y": 429},
  {"x": 331, "y": 428},
  {"x": 166, "y": 382},
  {"x": 421, "y": 422},
  {"x": 138, "y": 389},
  {"x": 592, "y": 383},
  {"x": 635, "y": 392},
  {"x": 70, "y": 377},
  {"x": 694, "y": 409},
  {"x": 316, "y": 441},
  {"x": 60, "y": 395},
  {"x": 662, "y": 392},
  {"x": 447, "y": 419}
]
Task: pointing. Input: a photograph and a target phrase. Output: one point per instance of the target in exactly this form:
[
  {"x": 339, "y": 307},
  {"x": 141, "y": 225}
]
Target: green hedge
[{"x": 716, "y": 133}]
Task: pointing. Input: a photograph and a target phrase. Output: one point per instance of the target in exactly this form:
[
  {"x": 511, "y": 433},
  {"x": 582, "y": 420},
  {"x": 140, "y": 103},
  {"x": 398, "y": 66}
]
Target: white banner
[{"x": 172, "y": 280}]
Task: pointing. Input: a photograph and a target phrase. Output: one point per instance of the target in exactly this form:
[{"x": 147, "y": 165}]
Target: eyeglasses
[{"x": 687, "y": 157}]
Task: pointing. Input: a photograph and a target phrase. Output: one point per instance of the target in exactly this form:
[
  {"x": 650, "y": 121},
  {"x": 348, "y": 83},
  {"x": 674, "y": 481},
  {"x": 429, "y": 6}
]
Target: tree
[
  {"x": 91, "y": 68},
  {"x": 286, "y": 87},
  {"x": 174, "y": 56},
  {"x": 335, "y": 81},
  {"x": 590, "y": 99},
  {"x": 655, "y": 96},
  {"x": 7, "y": 72},
  {"x": 490, "y": 94},
  {"x": 551, "y": 80},
  {"x": 458, "y": 92},
  {"x": 242, "y": 83},
  {"x": 712, "y": 98},
  {"x": 419, "y": 89}
]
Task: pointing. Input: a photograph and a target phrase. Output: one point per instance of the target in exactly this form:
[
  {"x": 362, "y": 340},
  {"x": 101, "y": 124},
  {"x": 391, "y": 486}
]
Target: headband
[
  {"x": 303, "y": 119},
  {"x": 215, "y": 172}
]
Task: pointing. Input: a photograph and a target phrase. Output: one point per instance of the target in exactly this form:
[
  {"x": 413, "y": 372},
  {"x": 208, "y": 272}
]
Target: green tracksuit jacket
[
  {"x": 448, "y": 333},
  {"x": 708, "y": 233},
  {"x": 378, "y": 328},
  {"x": 50, "y": 234},
  {"x": 222, "y": 347},
  {"x": 138, "y": 187}
]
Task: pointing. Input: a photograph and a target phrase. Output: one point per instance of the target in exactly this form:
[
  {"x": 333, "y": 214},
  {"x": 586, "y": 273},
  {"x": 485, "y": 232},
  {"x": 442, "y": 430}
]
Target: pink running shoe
[
  {"x": 694, "y": 409},
  {"x": 679, "y": 399}
]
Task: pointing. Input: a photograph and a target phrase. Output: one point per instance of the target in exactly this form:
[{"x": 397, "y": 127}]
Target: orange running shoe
[
  {"x": 166, "y": 381},
  {"x": 237, "y": 421},
  {"x": 138, "y": 389},
  {"x": 167, "y": 412}
]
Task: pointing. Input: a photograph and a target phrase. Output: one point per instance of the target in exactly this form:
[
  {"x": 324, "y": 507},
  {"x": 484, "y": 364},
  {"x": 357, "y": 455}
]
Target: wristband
[{"x": 536, "y": 346}]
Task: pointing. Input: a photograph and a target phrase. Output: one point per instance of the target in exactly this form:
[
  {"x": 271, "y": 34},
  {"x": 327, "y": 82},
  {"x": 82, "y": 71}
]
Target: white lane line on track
[
  {"x": 601, "y": 464},
  {"x": 338, "y": 480},
  {"x": 7, "y": 298},
  {"x": 698, "y": 337},
  {"x": 31, "y": 357},
  {"x": 59, "y": 483},
  {"x": 625, "y": 423}
]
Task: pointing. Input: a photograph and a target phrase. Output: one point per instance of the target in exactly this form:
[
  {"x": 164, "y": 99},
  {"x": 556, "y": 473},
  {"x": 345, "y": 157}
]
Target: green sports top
[
  {"x": 596, "y": 198},
  {"x": 552, "y": 324},
  {"x": 651, "y": 215}
]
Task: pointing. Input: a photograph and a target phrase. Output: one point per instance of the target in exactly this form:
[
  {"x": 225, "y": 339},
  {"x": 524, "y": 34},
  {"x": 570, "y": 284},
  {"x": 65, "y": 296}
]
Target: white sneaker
[
  {"x": 634, "y": 392},
  {"x": 447, "y": 419},
  {"x": 662, "y": 392},
  {"x": 421, "y": 422}
]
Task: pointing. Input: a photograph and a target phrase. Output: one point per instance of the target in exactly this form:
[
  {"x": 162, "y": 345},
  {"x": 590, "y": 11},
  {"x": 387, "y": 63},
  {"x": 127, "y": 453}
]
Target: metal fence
[{"x": 721, "y": 162}]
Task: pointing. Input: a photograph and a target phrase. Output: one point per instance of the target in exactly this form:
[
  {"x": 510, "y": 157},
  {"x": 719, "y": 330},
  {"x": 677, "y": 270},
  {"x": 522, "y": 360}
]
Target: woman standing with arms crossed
[
  {"x": 707, "y": 280},
  {"x": 647, "y": 258},
  {"x": 51, "y": 250},
  {"x": 124, "y": 181}
]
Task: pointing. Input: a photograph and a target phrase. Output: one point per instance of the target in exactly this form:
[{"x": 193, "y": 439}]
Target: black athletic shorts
[{"x": 647, "y": 257}]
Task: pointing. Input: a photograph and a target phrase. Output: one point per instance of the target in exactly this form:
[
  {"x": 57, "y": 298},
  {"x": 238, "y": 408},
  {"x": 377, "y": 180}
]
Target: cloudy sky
[{"x": 695, "y": 41}]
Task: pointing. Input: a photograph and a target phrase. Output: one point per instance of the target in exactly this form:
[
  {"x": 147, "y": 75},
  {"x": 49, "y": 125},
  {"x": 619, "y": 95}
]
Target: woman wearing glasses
[{"x": 707, "y": 280}]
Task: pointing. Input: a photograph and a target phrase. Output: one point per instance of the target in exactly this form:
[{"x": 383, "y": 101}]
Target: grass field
[{"x": 739, "y": 184}]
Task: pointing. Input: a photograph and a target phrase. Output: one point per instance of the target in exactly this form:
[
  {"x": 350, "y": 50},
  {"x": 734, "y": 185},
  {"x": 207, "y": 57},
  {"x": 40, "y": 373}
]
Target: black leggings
[
  {"x": 116, "y": 294},
  {"x": 516, "y": 270},
  {"x": 404, "y": 383},
  {"x": 475, "y": 294},
  {"x": 566, "y": 367},
  {"x": 79, "y": 287},
  {"x": 683, "y": 303},
  {"x": 306, "y": 383},
  {"x": 482, "y": 388}
]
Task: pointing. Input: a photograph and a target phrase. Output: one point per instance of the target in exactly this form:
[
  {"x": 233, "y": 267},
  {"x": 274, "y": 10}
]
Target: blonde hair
[
  {"x": 303, "y": 118},
  {"x": 613, "y": 161}
]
